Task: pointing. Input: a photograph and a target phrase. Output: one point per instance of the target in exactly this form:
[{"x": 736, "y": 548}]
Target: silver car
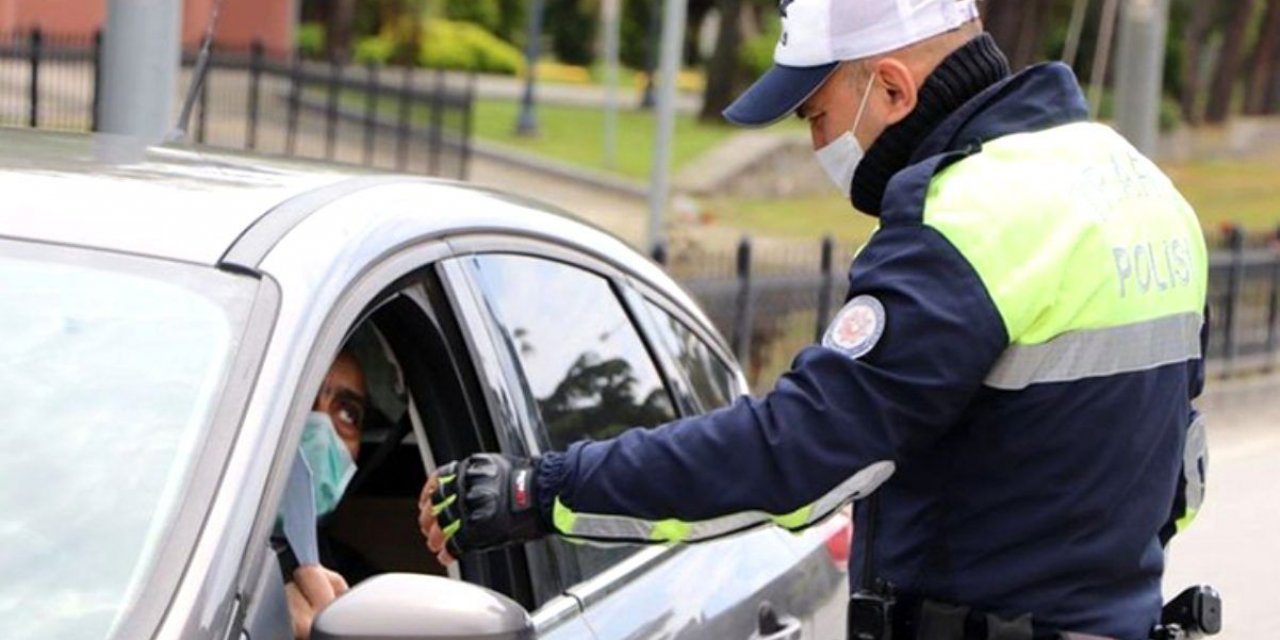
[{"x": 167, "y": 316}]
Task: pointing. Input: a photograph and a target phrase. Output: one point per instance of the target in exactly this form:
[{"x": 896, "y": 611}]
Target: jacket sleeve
[{"x": 829, "y": 432}]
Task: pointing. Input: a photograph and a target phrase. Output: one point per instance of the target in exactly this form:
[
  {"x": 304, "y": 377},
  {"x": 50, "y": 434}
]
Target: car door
[
  {"x": 574, "y": 352},
  {"x": 813, "y": 574}
]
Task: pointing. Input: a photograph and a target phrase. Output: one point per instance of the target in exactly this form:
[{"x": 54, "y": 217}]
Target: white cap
[{"x": 819, "y": 34}]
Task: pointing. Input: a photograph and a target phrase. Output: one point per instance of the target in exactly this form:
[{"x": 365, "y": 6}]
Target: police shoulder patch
[{"x": 857, "y": 328}]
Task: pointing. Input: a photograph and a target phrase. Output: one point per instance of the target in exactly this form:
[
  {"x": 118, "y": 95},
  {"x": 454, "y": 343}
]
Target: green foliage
[
  {"x": 377, "y": 50},
  {"x": 465, "y": 46},
  {"x": 572, "y": 24},
  {"x": 486, "y": 13},
  {"x": 310, "y": 39},
  {"x": 756, "y": 54},
  {"x": 511, "y": 20},
  {"x": 635, "y": 42}
]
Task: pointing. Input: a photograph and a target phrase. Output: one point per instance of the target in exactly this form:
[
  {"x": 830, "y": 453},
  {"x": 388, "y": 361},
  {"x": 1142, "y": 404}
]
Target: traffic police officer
[{"x": 1010, "y": 380}]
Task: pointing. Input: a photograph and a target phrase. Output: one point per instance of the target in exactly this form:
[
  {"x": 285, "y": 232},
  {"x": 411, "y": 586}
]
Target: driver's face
[{"x": 343, "y": 397}]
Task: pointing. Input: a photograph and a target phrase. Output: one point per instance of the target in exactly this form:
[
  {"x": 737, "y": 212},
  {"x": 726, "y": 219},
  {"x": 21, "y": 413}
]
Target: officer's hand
[
  {"x": 482, "y": 502},
  {"x": 312, "y": 589}
]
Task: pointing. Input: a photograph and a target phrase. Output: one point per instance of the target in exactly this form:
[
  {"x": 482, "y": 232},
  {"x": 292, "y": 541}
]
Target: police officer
[{"x": 1007, "y": 392}]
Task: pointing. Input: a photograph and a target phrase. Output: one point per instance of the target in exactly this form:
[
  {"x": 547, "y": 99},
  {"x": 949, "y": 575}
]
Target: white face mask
[{"x": 841, "y": 157}]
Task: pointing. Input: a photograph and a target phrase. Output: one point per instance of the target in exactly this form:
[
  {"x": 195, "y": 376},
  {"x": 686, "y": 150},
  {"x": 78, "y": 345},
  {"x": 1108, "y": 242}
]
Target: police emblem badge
[{"x": 857, "y": 328}]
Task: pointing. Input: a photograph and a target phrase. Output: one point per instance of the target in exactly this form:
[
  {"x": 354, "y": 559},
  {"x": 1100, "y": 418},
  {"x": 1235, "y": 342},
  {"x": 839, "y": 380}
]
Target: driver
[{"x": 331, "y": 445}]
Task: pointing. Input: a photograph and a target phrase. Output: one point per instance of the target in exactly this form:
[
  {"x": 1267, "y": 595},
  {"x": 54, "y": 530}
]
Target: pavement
[{"x": 1234, "y": 544}]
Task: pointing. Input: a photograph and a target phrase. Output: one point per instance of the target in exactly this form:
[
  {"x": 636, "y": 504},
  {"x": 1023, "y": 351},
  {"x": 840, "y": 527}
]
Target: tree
[
  {"x": 1266, "y": 64},
  {"x": 1198, "y": 28},
  {"x": 342, "y": 20},
  {"x": 1230, "y": 62},
  {"x": 724, "y": 68},
  {"x": 1020, "y": 27}
]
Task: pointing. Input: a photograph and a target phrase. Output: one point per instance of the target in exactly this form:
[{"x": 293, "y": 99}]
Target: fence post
[
  {"x": 402, "y": 126},
  {"x": 467, "y": 115},
  {"x": 95, "y": 106},
  {"x": 1235, "y": 237},
  {"x": 1273, "y": 302},
  {"x": 33, "y": 117},
  {"x": 295, "y": 96},
  {"x": 331, "y": 109},
  {"x": 370, "y": 110},
  {"x": 203, "y": 122},
  {"x": 824, "y": 293},
  {"x": 743, "y": 307},
  {"x": 659, "y": 253},
  {"x": 256, "y": 55}
]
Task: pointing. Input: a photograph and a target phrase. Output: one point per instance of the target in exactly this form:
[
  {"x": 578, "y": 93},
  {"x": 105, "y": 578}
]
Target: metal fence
[
  {"x": 410, "y": 120},
  {"x": 771, "y": 301}
]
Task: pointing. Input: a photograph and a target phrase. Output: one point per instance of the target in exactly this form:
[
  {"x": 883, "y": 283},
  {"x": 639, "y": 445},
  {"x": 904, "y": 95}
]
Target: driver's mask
[{"x": 328, "y": 459}]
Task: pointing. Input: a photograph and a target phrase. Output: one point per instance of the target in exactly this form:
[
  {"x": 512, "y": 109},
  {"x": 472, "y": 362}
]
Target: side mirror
[{"x": 401, "y": 606}]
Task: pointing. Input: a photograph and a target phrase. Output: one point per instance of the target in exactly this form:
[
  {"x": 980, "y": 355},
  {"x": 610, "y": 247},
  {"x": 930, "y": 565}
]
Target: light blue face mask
[{"x": 328, "y": 459}]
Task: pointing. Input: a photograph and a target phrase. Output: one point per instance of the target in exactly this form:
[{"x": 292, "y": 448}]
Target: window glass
[
  {"x": 109, "y": 384},
  {"x": 583, "y": 362},
  {"x": 582, "y": 358},
  {"x": 712, "y": 381}
]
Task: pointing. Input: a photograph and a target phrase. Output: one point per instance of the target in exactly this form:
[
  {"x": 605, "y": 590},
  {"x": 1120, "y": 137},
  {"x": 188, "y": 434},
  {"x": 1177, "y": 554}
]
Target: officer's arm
[
  {"x": 1190, "y": 491},
  {"x": 830, "y": 431}
]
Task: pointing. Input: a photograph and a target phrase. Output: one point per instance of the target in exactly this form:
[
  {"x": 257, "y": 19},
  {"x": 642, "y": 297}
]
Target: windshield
[{"x": 108, "y": 381}]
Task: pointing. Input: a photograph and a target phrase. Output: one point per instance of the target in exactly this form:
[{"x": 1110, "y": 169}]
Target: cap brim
[{"x": 777, "y": 94}]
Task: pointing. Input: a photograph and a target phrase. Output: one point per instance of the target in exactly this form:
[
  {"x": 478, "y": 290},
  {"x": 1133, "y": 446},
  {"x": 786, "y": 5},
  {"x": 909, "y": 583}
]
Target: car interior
[{"x": 409, "y": 354}]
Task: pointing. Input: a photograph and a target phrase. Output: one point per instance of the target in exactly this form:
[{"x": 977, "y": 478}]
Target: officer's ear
[{"x": 900, "y": 87}]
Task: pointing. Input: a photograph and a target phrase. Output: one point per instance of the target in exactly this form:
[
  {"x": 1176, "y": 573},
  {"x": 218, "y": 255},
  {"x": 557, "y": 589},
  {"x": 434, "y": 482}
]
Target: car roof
[{"x": 168, "y": 201}]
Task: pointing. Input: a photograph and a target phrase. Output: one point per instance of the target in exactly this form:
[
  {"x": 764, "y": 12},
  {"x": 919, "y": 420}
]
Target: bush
[
  {"x": 377, "y": 50},
  {"x": 486, "y": 13},
  {"x": 467, "y": 47},
  {"x": 310, "y": 39}
]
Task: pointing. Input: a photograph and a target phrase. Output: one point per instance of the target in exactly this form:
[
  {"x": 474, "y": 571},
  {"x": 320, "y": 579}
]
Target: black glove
[{"x": 487, "y": 501}]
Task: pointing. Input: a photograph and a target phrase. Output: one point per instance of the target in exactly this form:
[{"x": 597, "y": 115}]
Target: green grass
[
  {"x": 575, "y": 135},
  {"x": 1242, "y": 191}
]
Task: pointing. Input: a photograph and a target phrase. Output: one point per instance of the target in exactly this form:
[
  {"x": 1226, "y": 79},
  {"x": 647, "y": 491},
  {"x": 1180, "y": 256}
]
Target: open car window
[{"x": 582, "y": 361}]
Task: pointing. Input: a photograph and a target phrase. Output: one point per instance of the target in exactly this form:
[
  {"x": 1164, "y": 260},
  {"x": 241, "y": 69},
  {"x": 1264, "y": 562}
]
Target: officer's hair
[{"x": 932, "y": 51}]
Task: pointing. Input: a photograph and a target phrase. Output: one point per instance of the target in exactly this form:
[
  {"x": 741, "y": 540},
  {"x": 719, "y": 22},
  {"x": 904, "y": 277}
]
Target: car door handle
[{"x": 771, "y": 626}]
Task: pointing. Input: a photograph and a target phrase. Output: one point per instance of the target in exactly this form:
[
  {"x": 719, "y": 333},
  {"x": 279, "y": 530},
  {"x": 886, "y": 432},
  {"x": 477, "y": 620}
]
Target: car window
[
  {"x": 110, "y": 383},
  {"x": 713, "y": 383},
  {"x": 582, "y": 359}
]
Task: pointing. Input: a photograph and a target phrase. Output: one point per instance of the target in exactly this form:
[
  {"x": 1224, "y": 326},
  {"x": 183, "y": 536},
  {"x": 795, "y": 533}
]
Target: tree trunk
[
  {"x": 1019, "y": 27},
  {"x": 724, "y": 68},
  {"x": 341, "y": 25},
  {"x": 1230, "y": 64},
  {"x": 1003, "y": 20},
  {"x": 1197, "y": 29},
  {"x": 1265, "y": 58}
]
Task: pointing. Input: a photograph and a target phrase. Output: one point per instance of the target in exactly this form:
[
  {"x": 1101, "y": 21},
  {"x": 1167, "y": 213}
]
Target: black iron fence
[
  {"x": 410, "y": 120},
  {"x": 772, "y": 301}
]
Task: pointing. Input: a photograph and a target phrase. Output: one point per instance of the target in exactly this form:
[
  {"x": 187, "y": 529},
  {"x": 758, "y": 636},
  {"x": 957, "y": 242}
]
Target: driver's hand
[
  {"x": 429, "y": 524},
  {"x": 312, "y": 589}
]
